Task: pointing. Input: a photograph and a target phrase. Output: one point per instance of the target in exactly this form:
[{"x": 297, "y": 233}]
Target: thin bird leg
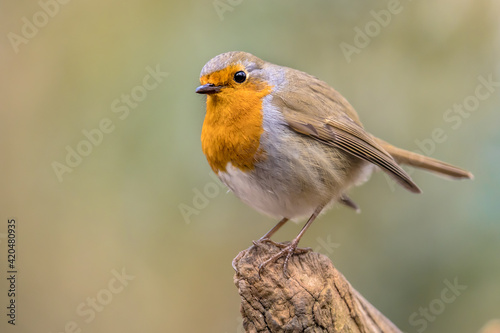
[
  {"x": 274, "y": 229},
  {"x": 267, "y": 237},
  {"x": 291, "y": 249}
]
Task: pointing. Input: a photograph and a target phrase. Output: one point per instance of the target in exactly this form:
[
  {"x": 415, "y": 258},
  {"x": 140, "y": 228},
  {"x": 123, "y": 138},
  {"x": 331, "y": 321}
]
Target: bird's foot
[{"x": 287, "y": 251}]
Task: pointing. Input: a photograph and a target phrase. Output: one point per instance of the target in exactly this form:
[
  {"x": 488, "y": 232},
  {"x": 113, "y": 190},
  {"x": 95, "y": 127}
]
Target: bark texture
[{"x": 314, "y": 298}]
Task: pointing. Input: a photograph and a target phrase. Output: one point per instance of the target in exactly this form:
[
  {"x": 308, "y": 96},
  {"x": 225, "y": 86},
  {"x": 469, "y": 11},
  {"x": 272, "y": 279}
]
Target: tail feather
[{"x": 420, "y": 161}]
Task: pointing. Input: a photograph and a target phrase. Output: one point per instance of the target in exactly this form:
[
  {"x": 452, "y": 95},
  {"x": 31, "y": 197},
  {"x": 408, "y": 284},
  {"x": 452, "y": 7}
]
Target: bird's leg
[
  {"x": 274, "y": 229},
  {"x": 267, "y": 237},
  {"x": 291, "y": 249}
]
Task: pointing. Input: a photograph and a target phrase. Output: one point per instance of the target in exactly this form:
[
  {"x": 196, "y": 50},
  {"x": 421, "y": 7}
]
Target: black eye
[{"x": 240, "y": 76}]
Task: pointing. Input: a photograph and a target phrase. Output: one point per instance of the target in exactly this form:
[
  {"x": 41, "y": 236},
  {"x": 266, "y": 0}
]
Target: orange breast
[{"x": 233, "y": 127}]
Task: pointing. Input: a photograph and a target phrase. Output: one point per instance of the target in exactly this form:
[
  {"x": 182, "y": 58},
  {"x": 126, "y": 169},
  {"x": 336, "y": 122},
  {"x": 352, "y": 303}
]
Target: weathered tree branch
[{"x": 315, "y": 298}]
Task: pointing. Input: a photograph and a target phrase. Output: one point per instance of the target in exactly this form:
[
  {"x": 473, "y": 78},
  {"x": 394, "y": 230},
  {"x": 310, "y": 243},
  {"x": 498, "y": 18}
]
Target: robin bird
[{"x": 289, "y": 145}]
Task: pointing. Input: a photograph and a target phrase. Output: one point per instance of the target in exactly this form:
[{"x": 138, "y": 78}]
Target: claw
[
  {"x": 235, "y": 260},
  {"x": 287, "y": 251}
]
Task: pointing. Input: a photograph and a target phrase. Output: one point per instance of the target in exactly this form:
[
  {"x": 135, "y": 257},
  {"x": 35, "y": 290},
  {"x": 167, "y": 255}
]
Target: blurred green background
[{"x": 119, "y": 209}]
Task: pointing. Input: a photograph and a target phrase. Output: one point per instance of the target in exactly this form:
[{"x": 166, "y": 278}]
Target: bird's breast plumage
[{"x": 233, "y": 127}]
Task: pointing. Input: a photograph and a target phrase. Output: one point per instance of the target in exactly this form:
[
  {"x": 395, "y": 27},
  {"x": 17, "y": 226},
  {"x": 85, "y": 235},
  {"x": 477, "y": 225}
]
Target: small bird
[{"x": 289, "y": 145}]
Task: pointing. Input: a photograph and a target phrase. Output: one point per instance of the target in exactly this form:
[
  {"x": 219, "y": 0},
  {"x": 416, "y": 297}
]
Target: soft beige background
[{"x": 120, "y": 208}]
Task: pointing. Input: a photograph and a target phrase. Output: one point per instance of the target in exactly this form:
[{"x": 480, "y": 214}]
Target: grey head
[
  {"x": 254, "y": 67},
  {"x": 217, "y": 63}
]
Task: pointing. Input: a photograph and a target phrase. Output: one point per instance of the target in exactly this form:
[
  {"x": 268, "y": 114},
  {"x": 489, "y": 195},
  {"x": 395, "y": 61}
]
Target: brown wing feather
[
  {"x": 315, "y": 109},
  {"x": 351, "y": 139}
]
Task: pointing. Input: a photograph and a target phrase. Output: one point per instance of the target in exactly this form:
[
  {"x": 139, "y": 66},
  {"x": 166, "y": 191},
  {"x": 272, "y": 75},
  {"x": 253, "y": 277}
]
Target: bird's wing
[{"x": 321, "y": 113}]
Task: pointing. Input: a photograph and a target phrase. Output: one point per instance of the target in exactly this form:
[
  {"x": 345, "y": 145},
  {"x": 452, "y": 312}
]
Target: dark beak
[{"x": 208, "y": 89}]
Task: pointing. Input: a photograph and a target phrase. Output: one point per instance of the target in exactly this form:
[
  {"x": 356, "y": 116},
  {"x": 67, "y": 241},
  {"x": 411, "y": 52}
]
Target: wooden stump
[{"x": 315, "y": 298}]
